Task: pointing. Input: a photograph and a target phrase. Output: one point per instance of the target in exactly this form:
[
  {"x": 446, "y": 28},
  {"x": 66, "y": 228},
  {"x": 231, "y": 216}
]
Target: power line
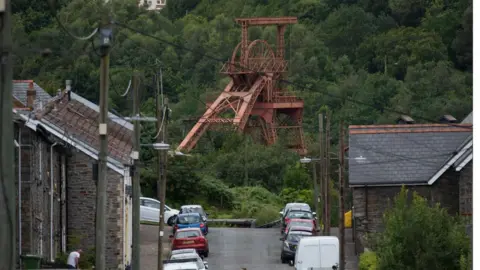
[
  {"x": 181, "y": 47},
  {"x": 64, "y": 28}
]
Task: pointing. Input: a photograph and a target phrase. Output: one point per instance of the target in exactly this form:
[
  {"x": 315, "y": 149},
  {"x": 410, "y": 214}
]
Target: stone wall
[
  {"x": 371, "y": 202},
  {"x": 35, "y": 190},
  {"x": 465, "y": 189},
  {"x": 81, "y": 201}
]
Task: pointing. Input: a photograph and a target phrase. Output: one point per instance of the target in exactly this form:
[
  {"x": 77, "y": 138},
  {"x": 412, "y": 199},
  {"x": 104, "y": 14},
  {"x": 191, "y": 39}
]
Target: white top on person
[{"x": 73, "y": 258}]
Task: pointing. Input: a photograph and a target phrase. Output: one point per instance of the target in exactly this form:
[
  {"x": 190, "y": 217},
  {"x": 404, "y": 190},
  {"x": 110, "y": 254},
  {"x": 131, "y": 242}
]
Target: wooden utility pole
[
  {"x": 8, "y": 256},
  {"x": 341, "y": 170},
  {"x": 162, "y": 122},
  {"x": 101, "y": 203},
  {"x": 316, "y": 199},
  {"x": 136, "y": 175},
  {"x": 321, "y": 176},
  {"x": 327, "y": 175}
]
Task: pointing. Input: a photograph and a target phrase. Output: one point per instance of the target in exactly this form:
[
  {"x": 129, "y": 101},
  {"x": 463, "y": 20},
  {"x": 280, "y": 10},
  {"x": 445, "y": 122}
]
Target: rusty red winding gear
[{"x": 254, "y": 94}]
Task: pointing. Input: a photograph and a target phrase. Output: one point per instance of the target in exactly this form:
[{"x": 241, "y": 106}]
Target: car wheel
[
  {"x": 206, "y": 254},
  {"x": 283, "y": 260},
  {"x": 170, "y": 221}
]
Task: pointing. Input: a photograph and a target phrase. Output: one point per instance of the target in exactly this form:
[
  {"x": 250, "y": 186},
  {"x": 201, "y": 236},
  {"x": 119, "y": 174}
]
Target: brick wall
[
  {"x": 81, "y": 200},
  {"x": 465, "y": 190},
  {"x": 370, "y": 203}
]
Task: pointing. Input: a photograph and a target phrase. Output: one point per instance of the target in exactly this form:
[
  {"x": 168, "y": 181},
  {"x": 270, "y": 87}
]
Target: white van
[{"x": 317, "y": 253}]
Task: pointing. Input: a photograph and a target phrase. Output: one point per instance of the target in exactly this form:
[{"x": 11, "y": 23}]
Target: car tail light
[
  {"x": 202, "y": 225},
  {"x": 176, "y": 227},
  {"x": 287, "y": 220}
]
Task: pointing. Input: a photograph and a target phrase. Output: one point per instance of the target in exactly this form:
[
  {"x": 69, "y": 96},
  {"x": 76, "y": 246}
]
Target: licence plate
[{"x": 188, "y": 242}]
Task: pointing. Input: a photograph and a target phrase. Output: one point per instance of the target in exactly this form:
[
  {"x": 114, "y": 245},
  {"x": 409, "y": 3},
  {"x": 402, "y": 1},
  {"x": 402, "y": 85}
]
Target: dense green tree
[{"x": 419, "y": 236}]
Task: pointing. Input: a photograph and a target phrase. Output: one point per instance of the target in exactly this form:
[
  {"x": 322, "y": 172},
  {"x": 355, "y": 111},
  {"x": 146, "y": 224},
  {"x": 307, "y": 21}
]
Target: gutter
[{"x": 388, "y": 184}]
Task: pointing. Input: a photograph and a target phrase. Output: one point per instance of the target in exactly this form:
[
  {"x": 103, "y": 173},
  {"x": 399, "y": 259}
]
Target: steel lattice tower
[{"x": 255, "y": 97}]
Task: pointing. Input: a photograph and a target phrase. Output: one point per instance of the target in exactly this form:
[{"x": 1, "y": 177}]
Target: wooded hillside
[{"x": 363, "y": 60}]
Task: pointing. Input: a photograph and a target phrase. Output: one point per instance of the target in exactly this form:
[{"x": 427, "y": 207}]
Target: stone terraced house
[
  {"x": 434, "y": 160},
  {"x": 57, "y": 153}
]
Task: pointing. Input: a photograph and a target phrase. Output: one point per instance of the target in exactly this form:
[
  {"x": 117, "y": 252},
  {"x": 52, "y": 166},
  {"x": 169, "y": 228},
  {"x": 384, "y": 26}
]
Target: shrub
[
  {"x": 256, "y": 202},
  {"x": 368, "y": 261},
  {"x": 419, "y": 236},
  {"x": 215, "y": 192}
]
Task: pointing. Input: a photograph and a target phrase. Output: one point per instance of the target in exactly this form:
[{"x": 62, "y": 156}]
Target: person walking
[{"x": 73, "y": 257}]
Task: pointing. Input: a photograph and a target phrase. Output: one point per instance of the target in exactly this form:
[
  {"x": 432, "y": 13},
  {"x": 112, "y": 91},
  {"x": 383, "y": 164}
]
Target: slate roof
[
  {"x": 401, "y": 154},
  {"x": 78, "y": 118},
  {"x": 19, "y": 92}
]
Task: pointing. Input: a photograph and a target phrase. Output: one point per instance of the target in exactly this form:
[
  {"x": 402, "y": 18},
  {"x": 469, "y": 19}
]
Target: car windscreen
[
  {"x": 300, "y": 223},
  {"x": 192, "y": 210},
  {"x": 188, "y": 234},
  {"x": 188, "y": 219},
  {"x": 295, "y": 237},
  {"x": 300, "y": 214}
]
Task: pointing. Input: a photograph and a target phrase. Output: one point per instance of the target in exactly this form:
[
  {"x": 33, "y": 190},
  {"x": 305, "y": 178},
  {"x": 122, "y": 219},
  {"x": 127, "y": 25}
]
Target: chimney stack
[
  {"x": 31, "y": 95},
  {"x": 447, "y": 118},
  {"x": 68, "y": 89},
  {"x": 68, "y": 85},
  {"x": 405, "y": 119}
]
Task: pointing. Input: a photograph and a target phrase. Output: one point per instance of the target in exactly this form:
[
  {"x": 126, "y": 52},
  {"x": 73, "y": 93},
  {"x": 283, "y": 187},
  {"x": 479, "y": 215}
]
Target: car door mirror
[
  {"x": 290, "y": 263},
  {"x": 170, "y": 237},
  {"x": 206, "y": 214},
  {"x": 282, "y": 239}
]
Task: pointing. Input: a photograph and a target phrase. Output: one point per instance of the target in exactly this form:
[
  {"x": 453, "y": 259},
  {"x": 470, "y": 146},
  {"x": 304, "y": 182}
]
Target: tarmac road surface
[
  {"x": 252, "y": 249},
  {"x": 230, "y": 248},
  {"x": 233, "y": 249}
]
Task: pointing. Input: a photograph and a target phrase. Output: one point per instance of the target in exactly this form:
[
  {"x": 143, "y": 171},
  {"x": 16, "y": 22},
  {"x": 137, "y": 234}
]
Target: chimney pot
[
  {"x": 447, "y": 118},
  {"x": 68, "y": 85},
  {"x": 31, "y": 95},
  {"x": 405, "y": 119}
]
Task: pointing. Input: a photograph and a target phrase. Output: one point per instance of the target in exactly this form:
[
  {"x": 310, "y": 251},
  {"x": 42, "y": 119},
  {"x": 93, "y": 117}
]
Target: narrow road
[
  {"x": 253, "y": 249},
  {"x": 232, "y": 249}
]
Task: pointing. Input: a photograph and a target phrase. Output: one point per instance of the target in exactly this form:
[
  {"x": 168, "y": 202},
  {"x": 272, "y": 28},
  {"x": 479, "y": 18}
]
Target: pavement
[{"x": 234, "y": 249}]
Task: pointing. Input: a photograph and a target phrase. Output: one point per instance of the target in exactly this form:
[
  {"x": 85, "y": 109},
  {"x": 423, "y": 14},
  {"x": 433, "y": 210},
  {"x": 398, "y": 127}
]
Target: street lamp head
[
  {"x": 161, "y": 146},
  {"x": 305, "y": 160}
]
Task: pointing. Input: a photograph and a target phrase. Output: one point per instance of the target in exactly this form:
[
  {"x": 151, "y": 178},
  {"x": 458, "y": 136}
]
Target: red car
[
  {"x": 190, "y": 238},
  {"x": 300, "y": 222},
  {"x": 302, "y": 225}
]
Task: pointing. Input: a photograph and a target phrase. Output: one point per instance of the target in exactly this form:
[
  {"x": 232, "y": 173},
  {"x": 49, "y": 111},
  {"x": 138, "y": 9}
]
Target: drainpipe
[
  {"x": 19, "y": 145},
  {"x": 52, "y": 258}
]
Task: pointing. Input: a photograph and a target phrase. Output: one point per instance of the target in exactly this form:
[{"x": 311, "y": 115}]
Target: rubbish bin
[{"x": 30, "y": 261}]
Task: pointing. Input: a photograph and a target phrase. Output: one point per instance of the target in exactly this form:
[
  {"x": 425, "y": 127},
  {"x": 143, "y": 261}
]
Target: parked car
[
  {"x": 296, "y": 205},
  {"x": 190, "y": 220},
  {"x": 303, "y": 223},
  {"x": 202, "y": 265},
  {"x": 289, "y": 245},
  {"x": 190, "y": 238},
  {"x": 180, "y": 264},
  {"x": 195, "y": 208},
  {"x": 319, "y": 252},
  {"x": 297, "y": 213},
  {"x": 150, "y": 211}
]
